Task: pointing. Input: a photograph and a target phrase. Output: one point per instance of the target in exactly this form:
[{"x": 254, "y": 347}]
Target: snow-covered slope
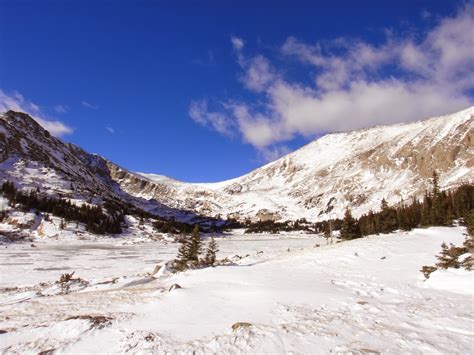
[
  {"x": 320, "y": 180},
  {"x": 316, "y": 182},
  {"x": 365, "y": 296},
  {"x": 32, "y": 158}
]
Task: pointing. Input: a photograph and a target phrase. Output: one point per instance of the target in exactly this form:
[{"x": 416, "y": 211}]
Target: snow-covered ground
[{"x": 362, "y": 296}]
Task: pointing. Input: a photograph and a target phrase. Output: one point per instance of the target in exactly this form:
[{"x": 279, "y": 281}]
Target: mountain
[
  {"x": 32, "y": 158},
  {"x": 356, "y": 169},
  {"x": 319, "y": 181}
]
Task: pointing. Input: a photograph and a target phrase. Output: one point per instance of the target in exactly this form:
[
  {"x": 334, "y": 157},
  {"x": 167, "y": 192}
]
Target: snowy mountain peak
[
  {"x": 319, "y": 181},
  {"x": 354, "y": 169}
]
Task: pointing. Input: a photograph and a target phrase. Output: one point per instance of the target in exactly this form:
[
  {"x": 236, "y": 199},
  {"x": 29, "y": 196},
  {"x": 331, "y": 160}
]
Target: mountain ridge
[
  {"x": 430, "y": 132},
  {"x": 318, "y": 181}
]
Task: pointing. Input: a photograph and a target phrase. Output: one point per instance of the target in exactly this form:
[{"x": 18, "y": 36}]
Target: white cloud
[
  {"x": 61, "y": 109},
  {"x": 198, "y": 111},
  {"x": 110, "y": 129},
  {"x": 237, "y": 43},
  {"x": 274, "y": 153},
  {"x": 258, "y": 73},
  {"x": 425, "y": 14},
  {"x": 355, "y": 84},
  {"x": 17, "y": 102},
  {"x": 89, "y": 105}
]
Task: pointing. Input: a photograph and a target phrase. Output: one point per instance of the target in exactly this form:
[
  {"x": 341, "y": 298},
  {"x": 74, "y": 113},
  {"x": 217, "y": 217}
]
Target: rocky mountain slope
[
  {"x": 316, "y": 182},
  {"x": 340, "y": 170},
  {"x": 32, "y": 158}
]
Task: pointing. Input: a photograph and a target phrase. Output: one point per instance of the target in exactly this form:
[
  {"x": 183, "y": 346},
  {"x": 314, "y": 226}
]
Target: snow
[
  {"x": 366, "y": 295},
  {"x": 357, "y": 169},
  {"x": 454, "y": 280}
]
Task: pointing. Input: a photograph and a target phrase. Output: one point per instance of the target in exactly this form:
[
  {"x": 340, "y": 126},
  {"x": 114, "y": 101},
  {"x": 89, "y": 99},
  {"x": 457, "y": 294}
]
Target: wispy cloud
[
  {"x": 61, "y": 109},
  {"x": 237, "y": 43},
  {"x": 208, "y": 60},
  {"x": 90, "y": 106},
  {"x": 110, "y": 129},
  {"x": 198, "y": 111},
  {"x": 273, "y": 153},
  {"x": 16, "y": 102},
  {"x": 354, "y": 84}
]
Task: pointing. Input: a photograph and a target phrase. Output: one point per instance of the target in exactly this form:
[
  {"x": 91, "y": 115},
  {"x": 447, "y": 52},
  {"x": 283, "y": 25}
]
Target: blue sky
[{"x": 209, "y": 91}]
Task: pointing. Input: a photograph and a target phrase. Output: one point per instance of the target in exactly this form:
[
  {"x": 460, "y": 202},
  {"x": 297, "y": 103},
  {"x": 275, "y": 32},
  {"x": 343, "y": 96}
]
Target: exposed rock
[
  {"x": 164, "y": 269},
  {"x": 267, "y": 215},
  {"x": 174, "y": 287},
  {"x": 241, "y": 325},
  {"x": 97, "y": 322},
  {"x": 233, "y": 189}
]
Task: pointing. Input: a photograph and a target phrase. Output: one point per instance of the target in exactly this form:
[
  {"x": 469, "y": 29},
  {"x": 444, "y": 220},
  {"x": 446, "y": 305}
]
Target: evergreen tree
[
  {"x": 183, "y": 255},
  {"x": 449, "y": 256},
  {"x": 211, "y": 252},
  {"x": 437, "y": 215},
  {"x": 388, "y": 217},
  {"x": 328, "y": 231},
  {"x": 469, "y": 221},
  {"x": 189, "y": 251},
  {"x": 195, "y": 245},
  {"x": 350, "y": 228},
  {"x": 438, "y": 212},
  {"x": 426, "y": 211}
]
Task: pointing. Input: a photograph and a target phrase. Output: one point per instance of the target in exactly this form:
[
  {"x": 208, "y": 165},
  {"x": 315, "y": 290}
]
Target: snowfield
[{"x": 361, "y": 296}]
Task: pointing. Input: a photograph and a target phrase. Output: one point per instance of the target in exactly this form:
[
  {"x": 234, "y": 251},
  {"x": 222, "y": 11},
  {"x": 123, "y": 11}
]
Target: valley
[
  {"x": 90, "y": 252},
  {"x": 289, "y": 296}
]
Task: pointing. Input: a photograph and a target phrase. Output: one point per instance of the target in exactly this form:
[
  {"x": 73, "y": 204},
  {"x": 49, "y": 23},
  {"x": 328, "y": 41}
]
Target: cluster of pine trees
[
  {"x": 276, "y": 227},
  {"x": 438, "y": 208},
  {"x": 208, "y": 224},
  {"x": 172, "y": 226},
  {"x": 190, "y": 253},
  {"x": 93, "y": 217}
]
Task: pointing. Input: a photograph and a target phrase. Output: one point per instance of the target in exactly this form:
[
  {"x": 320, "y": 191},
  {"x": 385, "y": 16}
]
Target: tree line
[
  {"x": 438, "y": 208},
  {"x": 94, "y": 217}
]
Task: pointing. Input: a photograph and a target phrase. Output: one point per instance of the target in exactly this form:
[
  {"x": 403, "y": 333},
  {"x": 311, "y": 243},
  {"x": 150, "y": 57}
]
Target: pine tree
[
  {"x": 388, "y": 218},
  {"x": 189, "y": 251},
  {"x": 195, "y": 245},
  {"x": 350, "y": 228},
  {"x": 327, "y": 231},
  {"x": 438, "y": 218},
  {"x": 426, "y": 211},
  {"x": 211, "y": 252},
  {"x": 449, "y": 256},
  {"x": 182, "y": 258},
  {"x": 469, "y": 221}
]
